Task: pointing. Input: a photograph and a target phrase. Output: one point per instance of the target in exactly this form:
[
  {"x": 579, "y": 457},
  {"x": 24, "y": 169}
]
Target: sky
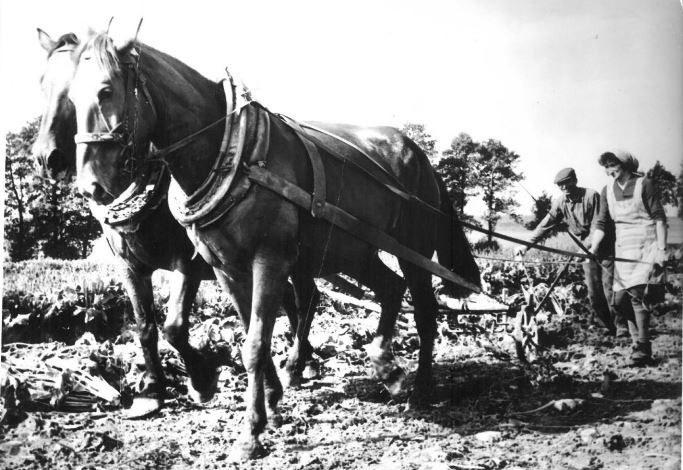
[{"x": 556, "y": 81}]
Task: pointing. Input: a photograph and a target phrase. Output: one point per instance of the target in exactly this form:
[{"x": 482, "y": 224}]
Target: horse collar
[
  {"x": 221, "y": 189},
  {"x": 143, "y": 196}
]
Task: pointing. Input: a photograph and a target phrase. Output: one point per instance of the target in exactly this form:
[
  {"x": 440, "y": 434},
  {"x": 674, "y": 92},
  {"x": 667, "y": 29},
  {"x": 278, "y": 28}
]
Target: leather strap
[
  {"x": 317, "y": 207},
  {"x": 226, "y": 188},
  {"x": 359, "y": 229},
  {"x": 385, "y": 171},
  {"x": 369, "y": 166}
]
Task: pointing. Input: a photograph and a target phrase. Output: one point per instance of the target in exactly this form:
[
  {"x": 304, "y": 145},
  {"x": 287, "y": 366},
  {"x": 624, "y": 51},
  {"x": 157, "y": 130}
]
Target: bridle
[
  {"x": 123, "y": 136},
  {"x": 149, "y": 186}
]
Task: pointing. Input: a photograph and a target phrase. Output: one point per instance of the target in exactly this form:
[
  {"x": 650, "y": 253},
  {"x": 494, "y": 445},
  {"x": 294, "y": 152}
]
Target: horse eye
[{"x": 104, "y": 93}]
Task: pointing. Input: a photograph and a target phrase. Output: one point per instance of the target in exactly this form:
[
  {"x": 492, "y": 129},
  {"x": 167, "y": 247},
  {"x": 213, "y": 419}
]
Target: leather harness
[{"x": 222, "y": 189}]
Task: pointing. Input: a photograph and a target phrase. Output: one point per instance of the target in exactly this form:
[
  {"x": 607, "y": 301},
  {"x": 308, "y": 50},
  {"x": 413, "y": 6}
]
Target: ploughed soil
[{"x": 578, "y": 405}]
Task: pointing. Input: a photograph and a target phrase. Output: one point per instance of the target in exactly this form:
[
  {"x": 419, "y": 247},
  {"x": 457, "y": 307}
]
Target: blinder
[{"x": 122, "y": 137}]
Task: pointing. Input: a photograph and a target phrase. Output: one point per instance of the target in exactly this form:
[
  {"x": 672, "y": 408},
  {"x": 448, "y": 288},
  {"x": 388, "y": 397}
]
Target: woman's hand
[
  {"x": 661, "y": 256},
  {"x": 593, "y": 249},
  {"x": 595, "y": 240}
]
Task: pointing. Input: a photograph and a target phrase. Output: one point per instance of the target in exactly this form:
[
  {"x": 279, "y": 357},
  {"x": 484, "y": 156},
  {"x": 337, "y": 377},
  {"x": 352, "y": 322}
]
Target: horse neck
[{"x": 185, "y": 102}]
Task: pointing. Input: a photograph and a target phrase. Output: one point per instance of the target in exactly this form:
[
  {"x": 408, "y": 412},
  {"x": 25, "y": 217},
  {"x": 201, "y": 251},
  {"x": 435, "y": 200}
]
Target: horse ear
[
  {"x": 46, "y": 41},
  {"x": 71, "y": 38},
  {"x": 122, "y": 49},
  {"x": 109, "y": 25}
]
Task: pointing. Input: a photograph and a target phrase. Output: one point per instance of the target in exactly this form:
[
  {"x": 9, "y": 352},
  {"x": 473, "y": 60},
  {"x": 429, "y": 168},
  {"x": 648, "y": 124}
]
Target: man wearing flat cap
[{"x": 578, "y": 208}]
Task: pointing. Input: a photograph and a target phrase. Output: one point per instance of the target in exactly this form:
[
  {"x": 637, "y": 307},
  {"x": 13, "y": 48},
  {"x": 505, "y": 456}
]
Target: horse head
[
  {"x": 54, "y": 148},
  {"x": 114, "y": 124}
]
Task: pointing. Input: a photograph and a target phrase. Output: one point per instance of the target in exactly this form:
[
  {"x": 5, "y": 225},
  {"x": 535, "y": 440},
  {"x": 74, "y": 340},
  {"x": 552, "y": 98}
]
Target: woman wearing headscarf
[{"x": 630, "y": 201}]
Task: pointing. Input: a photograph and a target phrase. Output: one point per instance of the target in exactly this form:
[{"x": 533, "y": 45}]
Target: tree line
[
  {"x": 488, "y": 170},
  {"x": 48, "y": 218}
]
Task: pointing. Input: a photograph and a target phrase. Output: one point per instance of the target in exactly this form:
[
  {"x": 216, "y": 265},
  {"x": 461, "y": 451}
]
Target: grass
[
  {"x": 52, "y": 279},
  {"x": 47, "y": 276},
  {"x": 507, "y": 249}
]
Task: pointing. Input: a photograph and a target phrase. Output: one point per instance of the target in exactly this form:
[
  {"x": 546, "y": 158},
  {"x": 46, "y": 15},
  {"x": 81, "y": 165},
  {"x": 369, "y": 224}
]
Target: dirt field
[{"x": 579, "y": 406}]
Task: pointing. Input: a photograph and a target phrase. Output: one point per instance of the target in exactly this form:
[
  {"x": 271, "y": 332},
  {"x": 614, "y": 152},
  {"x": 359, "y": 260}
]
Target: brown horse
[
  {"x": 129, "y": 97},
  {"x": 158, "y": 242}
]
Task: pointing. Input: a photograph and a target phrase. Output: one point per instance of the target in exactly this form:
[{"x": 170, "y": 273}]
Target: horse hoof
[
  {"x": 421, "y": 397},
  {"x": 291, "y": 379},
  {"x": 312, "y": 370},
  {"x": 143, "y": 407},
  {"x": 395, "y": 381},
  {"x": 419, "y": 401},
  {"x": 203, "y": 396},
  {"x": 244, "y": 451},
  {"x": 377, "y": 355}
]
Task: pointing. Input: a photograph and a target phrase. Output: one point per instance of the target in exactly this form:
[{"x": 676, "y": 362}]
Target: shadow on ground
[{"x": 474, "y": 396}]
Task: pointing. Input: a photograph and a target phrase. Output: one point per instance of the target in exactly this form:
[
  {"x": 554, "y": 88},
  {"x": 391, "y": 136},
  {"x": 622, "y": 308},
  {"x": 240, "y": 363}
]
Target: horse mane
[
  {"x": 100, "y": 48},
  {"x": 164, "y": 75}
]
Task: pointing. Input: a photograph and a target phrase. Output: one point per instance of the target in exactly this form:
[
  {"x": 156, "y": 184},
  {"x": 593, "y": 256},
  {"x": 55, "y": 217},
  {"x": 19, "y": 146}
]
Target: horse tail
[{"x": 453, "y": 249}]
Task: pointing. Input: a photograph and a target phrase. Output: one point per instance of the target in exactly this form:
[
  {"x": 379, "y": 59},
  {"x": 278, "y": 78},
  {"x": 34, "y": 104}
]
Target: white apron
[{"x": 635, "y": 237}]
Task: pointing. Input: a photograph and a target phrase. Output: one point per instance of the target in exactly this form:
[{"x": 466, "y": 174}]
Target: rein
[
  {"x": 161, "y": 154},
  {"x": 244, "y": 99},
  {"x": 125, "y": 138}
]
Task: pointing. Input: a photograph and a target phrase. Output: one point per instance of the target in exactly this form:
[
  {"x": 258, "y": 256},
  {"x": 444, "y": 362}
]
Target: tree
[
  {"x": 42, "y": 217},
  {"x": 418, "y": 134},
  {"x": 64, "y": 227},
  {"x": 455, "y": 170},
  {"x": 18, "y": 180},
  {"x": 679, "y": 192},
  {"x": 541, "y": 208},
  {"x": 665, "y": 184},
  {"x": 493, "y": 174}
]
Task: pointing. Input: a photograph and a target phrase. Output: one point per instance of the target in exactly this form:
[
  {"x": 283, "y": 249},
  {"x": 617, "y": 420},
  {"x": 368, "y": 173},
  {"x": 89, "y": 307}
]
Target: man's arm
[
  {"x": 600, "y": 222},
  {"x": 551, "y": 220}
]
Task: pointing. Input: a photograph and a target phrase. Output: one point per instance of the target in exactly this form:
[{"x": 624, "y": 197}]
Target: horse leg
[
  {"x": 389, "y": 288},
  {"x": 289, "y": 306},
  {"x": 150, "y": 399},
  {"x": 270, "y": 274},
  {"x": 307, "y": 298},
  {"x": 426, "y": 309},
  {"x": 290, "y": 301},
  {"x": 203, "y": 371},
  {"x": 239, "y": 286}
]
